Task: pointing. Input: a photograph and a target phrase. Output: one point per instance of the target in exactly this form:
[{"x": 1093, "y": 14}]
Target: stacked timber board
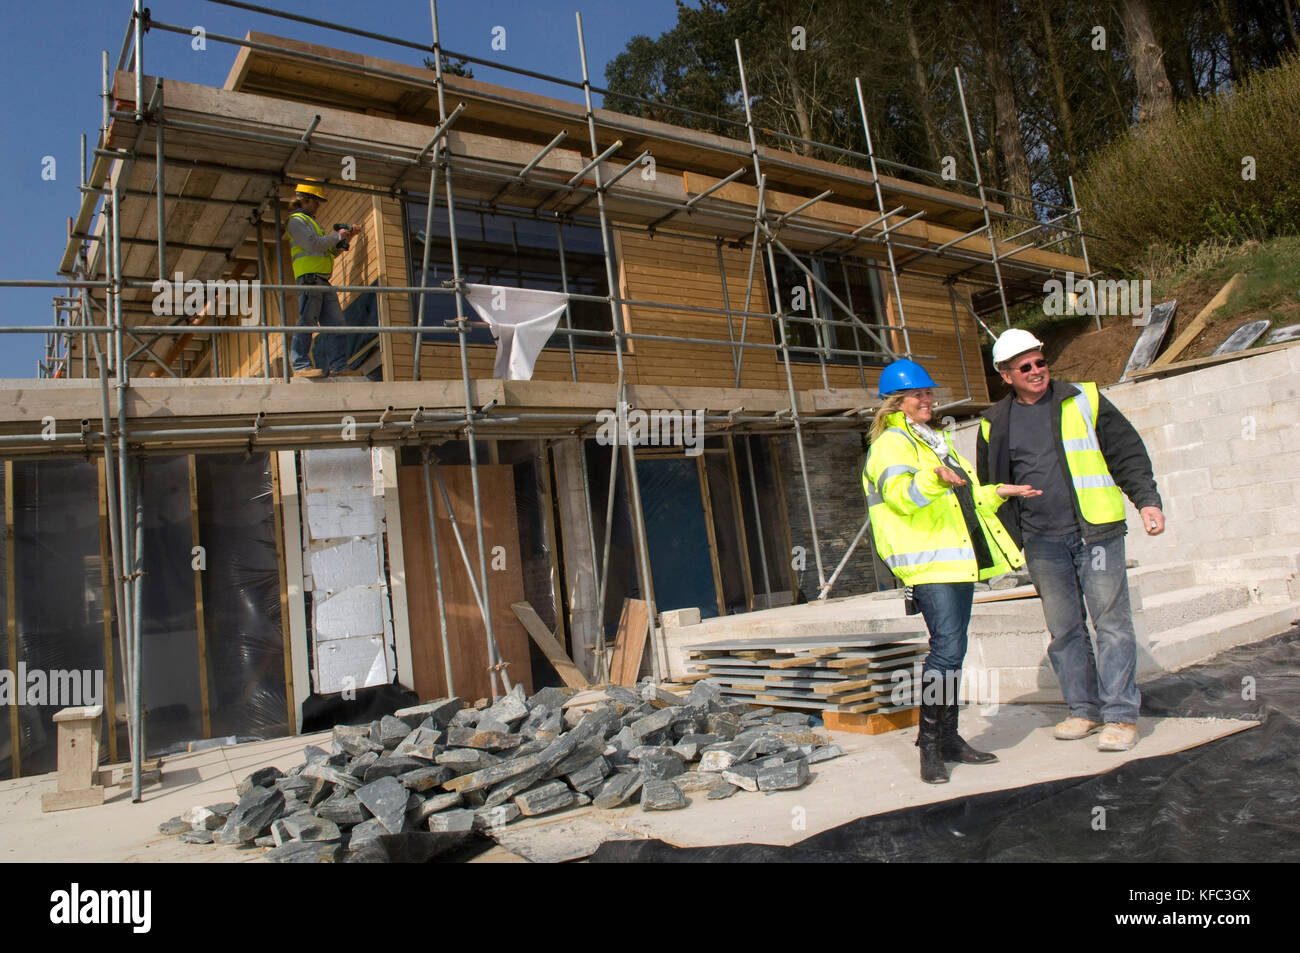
[{"x": 857, "y": 674}]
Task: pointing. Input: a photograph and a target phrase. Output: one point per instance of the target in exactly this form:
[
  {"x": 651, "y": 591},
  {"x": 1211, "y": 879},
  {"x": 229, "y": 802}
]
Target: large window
[
  {"x": 813, "y": 320},
  {"x": 514, "y": 251}
]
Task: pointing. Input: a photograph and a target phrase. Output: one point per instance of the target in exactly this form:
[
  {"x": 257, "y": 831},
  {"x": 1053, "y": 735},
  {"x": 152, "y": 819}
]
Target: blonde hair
[{"x": 879, "y": 424}]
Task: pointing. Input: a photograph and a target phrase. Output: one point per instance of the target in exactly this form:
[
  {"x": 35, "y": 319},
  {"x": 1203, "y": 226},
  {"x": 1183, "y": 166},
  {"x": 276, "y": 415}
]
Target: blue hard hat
[{"x": 903, "y": 375}]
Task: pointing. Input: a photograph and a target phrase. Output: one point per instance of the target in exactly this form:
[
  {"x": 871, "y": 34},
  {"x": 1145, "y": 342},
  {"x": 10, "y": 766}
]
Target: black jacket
[{"x": 1125, "y": 455}]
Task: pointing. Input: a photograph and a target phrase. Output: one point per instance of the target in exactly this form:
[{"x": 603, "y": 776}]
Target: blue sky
[{"x": 50, "y": 61}]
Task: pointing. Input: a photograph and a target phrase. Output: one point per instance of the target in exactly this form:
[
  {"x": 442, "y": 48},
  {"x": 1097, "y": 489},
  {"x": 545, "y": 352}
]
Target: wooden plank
[
  {"x": 277, "y": 510},
  {"x": 552, "y": 548},
  {"x": 1003, "y": 595},
  {"x": 465, "y": 632},
  {"x": 1190, "y": 332},
  {"x": 711, "y": 532},
  {"x": 200, "y": 626},
  {"x": 1207, "y": 361},
  {"x": 738, "y": 518},
  {"x": 629, "y": 645},
  {"x": 552, "y": 649},
  {"x": 837, "y": 687},
  {"x": 871, "y": 724}
]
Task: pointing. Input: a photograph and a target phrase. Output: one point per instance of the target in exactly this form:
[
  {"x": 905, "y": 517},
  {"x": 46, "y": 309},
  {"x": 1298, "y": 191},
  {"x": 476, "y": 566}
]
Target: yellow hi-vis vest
[
  {"x": 304, "y": 263},
  {"x": 916, "y": 519},
  {"x": 1100, "y": 500}
]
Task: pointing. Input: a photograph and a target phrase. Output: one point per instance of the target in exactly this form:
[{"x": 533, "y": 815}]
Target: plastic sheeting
[
  {"x": 241, "y": 595},
  {"x": 1236, "y": 799},
  {"x": 58, "y": 599}
]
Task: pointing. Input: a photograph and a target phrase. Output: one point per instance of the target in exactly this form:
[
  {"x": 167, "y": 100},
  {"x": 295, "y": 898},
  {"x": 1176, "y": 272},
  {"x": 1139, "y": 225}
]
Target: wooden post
[
  {"x": 739, "y": 516},
  {"x": 707, "y": 500},
  {"x": 205, "y": 704},
  {"x": 779, "y": 485},
  {"x": 548, "y": 518},
  {"x": 277, "y": 508},
  {"x": 586, "y": 619}
]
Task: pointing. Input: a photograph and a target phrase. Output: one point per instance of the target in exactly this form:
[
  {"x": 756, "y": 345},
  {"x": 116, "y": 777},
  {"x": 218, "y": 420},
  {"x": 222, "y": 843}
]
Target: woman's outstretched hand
[{"x": 1023, "y": 490}]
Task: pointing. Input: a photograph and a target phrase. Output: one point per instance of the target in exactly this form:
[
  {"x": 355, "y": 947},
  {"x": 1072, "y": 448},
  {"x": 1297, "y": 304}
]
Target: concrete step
[
  {"x": 1198, "y": 640},
  {"x": 1154, "y": 580},
  {"x": 1167, "y": 610}
]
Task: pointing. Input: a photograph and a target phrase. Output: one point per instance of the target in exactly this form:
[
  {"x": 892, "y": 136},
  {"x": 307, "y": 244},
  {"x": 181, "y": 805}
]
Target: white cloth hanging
[{"x": 522, "y": 321}]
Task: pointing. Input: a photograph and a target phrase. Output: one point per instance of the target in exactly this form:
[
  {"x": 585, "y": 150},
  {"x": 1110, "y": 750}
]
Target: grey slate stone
[
  {"x": 717, "y": 760},
  {"x": 261, "y": 778},
  {"x": 542, "y": 719},
  {"x": 386, "y": 799},
  {"x": 342, "y": 809},
  {"x": 308, "y": 827},
  {"x": 510, "y": 709},
  {"x": 465, "y": 718},
  {"x": 357, "y": 745},
  {"x": 466, "y": 760},
  {"x": 441, "y": 710},
  {"x": 580, "y": 756},
  {"x": 197, "y": 837},
  {"x": 662, "y": 766},
  {"x": 393, "y": 767},
  {"x": 422, "y": 779},
  {"x": 175, "y": 826},
  {"x": 264, "y": 841},
  {"x": 493, "y": 774},
  {"x": 783, "y": 777},
  {"x": 333, "y": 775},
  {"x": 222, "y": 808},
  {"x": 368, "y": 852},
  {"x": 724, "y": 726},
  {"x": 302, "y": 852},
  {"x": 590, "y": 776},
  {"x": 650, "y": 729},
  {"x": 455, "y": 820},
  {"x": 256, "y": 810},
  {"x": 420, "y": 743},
  {"x": 551, "y": 796},
  {"x": 685, "y": 750},
  {"x": 659, "y": 795},
  {"x": 660, "y": 697},
  {"x": 203, "y": 819},
  {"x": 553, "y": 698},
  {"x": 488, "y": 819},
  {"x": 742, "y": 776},
  {"x": 825, "y": 754},
  {"x": 723, "y": 789},
  {"x": 361, "y": 764},
  {"x": 794, "y": 719},
  {"x": 392, "y": 731},
  {"x": 430, "y": 806},
  {"x": 472, "y": 737},
  {"x": 368, "y": 830},
  {"x": 695, "y": 781},
  {"x": 625, "y": 695},
  {"x": 619, "y": 789},
  {"x": 311, "y": 754}
]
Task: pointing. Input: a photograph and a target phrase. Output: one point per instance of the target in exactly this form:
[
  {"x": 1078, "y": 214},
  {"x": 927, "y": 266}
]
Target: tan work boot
[
  {"x": 309, "y": 372},
  {"x": 1118, "y": 736},
  {"x": 1072, "y": 729}
]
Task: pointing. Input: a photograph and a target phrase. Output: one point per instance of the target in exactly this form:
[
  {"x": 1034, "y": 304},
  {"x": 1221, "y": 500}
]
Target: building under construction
[{"x": 230, "y": 545}]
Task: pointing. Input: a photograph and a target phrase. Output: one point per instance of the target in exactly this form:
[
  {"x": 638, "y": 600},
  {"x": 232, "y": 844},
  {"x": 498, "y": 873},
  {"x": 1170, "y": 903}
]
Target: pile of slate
[{"x": 420, "y": 782}]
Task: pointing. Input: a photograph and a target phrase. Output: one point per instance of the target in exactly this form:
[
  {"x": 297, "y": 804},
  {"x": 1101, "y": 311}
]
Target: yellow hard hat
[{"x": 307, "y": 188}]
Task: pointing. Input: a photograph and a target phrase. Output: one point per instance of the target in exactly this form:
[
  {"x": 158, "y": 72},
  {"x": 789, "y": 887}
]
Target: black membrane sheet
[{"x": 1236, "y": 799}]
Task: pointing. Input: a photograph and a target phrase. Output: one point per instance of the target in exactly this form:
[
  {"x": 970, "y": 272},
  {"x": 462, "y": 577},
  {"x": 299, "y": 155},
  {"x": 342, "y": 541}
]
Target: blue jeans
[
  {"x": 945, "y": 606},
  {"x": 320, "y": 310},
  {"x": 1073, "y": 577}
]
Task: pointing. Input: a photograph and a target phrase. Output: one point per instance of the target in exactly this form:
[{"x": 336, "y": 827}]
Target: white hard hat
[{"x": 1013, "y": 342}]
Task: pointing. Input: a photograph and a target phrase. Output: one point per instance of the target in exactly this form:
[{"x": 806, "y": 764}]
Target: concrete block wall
[
  {"x": 834, "y": 462},
  {"x": 1224, "y": 444}
]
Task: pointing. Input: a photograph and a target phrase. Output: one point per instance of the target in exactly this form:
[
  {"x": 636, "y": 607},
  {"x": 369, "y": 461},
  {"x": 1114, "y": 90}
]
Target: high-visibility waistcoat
[
  {"x": 1099, "y": 499},
  {"x": 916, "y": 519},
  {"x": 303, "y": 262}
]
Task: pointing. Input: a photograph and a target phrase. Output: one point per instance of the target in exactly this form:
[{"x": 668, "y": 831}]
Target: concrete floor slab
[{"x": 877, "y": 774}]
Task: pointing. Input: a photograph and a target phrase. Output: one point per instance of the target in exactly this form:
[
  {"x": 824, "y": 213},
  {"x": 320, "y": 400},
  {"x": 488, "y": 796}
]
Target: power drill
[{"x": 346, "y": 243}]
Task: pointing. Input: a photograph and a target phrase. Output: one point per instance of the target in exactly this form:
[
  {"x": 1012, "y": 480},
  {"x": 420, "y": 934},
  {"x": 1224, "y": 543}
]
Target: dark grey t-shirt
[{"x": 1036, "y": 461}]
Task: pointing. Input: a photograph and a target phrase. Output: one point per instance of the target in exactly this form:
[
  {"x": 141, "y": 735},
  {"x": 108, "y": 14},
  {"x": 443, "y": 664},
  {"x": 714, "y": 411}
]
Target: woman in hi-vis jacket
[{"x": 936, "y": 528}]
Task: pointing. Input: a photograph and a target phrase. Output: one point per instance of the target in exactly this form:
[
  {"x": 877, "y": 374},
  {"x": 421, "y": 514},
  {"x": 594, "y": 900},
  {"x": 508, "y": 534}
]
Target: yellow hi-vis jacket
[
  {"x": 916, "y": 519},
  {"x": 305, "y": 263}
]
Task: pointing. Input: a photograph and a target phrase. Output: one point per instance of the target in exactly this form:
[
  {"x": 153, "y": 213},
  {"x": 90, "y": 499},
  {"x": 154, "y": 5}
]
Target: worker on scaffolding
[
  {"x": 935, "y": 526},
  {"x": 1076, "y": 446},
  {"x": 313, "y": 250}
]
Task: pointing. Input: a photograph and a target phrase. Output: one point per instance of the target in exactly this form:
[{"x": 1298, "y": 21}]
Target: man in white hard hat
[{"x": 1074, "y": 445}]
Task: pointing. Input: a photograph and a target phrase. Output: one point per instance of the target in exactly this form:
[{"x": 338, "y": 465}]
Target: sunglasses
[{"x": 1028, "y": 366}]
